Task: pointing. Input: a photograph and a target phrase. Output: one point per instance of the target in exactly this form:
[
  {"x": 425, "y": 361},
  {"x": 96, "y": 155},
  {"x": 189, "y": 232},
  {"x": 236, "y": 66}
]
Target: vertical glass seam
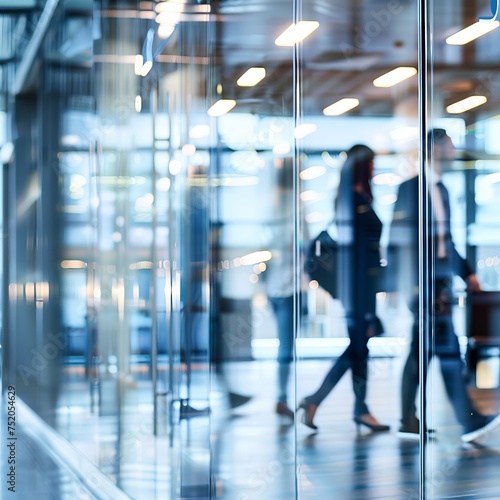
[
  {"x": 297, "y": 103},
  {"x": 423, "y": 218}
]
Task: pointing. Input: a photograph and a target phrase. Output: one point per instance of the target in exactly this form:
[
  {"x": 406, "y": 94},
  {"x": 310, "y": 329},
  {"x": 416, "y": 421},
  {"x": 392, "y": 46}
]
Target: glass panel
[
  {"x": 88, "y": 259},
  {"x": 461, "y": 181},
  {"x": 182, "y": 163},
  {"x": 251, "y": 220},
  {"x": 357, "y": 141}
]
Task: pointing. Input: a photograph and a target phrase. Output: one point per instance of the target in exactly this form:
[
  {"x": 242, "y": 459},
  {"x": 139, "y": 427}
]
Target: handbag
[{"x": 321, "y": 262}]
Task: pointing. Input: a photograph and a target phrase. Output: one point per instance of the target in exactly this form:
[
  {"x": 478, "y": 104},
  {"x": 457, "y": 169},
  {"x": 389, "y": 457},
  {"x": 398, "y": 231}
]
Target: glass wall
[
  {"x": 243, "y": 262},
  {"x": 358, "y": 110},
  {"x": 460, "y": 179}
]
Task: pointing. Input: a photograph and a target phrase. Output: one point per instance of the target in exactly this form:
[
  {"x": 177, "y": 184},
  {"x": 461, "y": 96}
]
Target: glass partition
[
  {"x": 460, "y": 173},
  {"x": 357, "y": 141},
  {"x": 251, "y": 248},
  {"x": 251, "y": 179}
]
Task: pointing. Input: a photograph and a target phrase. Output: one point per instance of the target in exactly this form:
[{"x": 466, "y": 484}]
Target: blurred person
[
  {"x": 403, "y": 256},
  {"x": 279, "y": 280},
  {"x": 282, "y": 306},
  {"x": 358, "y": 263}
]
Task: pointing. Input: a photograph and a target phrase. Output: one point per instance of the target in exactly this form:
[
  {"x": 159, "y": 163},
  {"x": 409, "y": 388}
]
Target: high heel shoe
[
  {"x": 308, "y": 415},
  {"x": 371, "y": 422},
  {"x": 283, "y": 410}
]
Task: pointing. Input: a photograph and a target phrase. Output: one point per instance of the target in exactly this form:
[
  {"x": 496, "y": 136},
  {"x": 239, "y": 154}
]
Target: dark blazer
[
  {"x": 359, "y": 265},
  {"x": 403, "y": 248}
]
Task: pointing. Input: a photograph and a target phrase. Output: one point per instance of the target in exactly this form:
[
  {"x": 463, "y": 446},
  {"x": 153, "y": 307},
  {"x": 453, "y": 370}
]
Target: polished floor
[{"x": 252, "y": 453}]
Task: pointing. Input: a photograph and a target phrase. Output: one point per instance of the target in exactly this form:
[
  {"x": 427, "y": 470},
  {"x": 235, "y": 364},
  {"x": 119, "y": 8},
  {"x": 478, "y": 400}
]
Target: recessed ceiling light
[
  {"x": 138, "y": 103},
  {"x": 304, "y": 129},
  {"x": 395, "y": 76},
  {"x": 170, "y": 7},
  {"x": 138, "y": 62},
  {"x": 309, "y": 195},
  {"x": 253, "y": 258},
  {"x": 146, "y": 68},
  {"x": 295, "y": 33},
  {"x": 472, "y": 32},
  {"x": 251, "y": 77},
  {"x": 341, "y": 107},
  {"x": 221, "y": 107},
  {"x": 466, "y": 104},
  {"x": 199, "y": 131},
  {"x": 313, "y": 172},
  {"x": 168, "y": 18},
  {"x": 165, "y": 30}
]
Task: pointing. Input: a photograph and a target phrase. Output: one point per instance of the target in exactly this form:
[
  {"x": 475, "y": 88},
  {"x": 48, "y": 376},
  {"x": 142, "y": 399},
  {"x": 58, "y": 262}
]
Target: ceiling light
[
  {"x": 138, "y": 64},
  {"x": 165, "y": 30},
  {"x": 146, "y": 68},
  {"x": 182, "y": 7},
  {"x": 304, "y": 129},
  {"x": 221, "y": 107},
  {"x": 312, "y": 172},
  {"x": 170, "y": 7},
  {"x": 251, "y": 77},
  {"x": 143, "y": 264},
  {"x": 163, "y": 184},
  {"x": 174, "y": 167},
  {"x": 120, "y": 180},
  {"x": 308, "y": 195},
  {"x": 138, "y": 103},
  {"x": 188, "y": 149},
  {"x": 341, "y": 107},
  {"x": 472, "y": 32},
  {"x": 395, "y": 76},
  {"x": 387, "y": 179},
  {"x": 296, "y": 33},
  {"x": 169, "y": 18},
  {"x": 199, "y": 131},
  {"x": 255, "y": 257},
  {"x": 73, "y": 264},
  {"x": 235, "y": 181},
  {"x": 466, "y": 104}
]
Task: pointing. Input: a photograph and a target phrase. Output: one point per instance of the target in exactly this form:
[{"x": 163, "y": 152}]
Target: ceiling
[{"x": 357, "y": 41}]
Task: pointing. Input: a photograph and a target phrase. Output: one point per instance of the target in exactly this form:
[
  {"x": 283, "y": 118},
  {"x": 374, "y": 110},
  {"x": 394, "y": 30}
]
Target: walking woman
[{"x": 359, "y": 230}]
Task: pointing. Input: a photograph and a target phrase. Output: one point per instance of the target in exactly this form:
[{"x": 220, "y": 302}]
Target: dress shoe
[
  {"x": 489, "y": 423},
  {"x": 410, "y": 429},
  {"x": 371, "y": 422},
  {"x": 282, "y": 409},
  {"x": 236, "y": 400},
  {"x": 308, "y": 414}
]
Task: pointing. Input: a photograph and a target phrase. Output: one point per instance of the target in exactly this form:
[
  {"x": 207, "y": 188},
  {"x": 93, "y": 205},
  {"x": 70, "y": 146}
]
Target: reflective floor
[{"x": 253, "y": 453}]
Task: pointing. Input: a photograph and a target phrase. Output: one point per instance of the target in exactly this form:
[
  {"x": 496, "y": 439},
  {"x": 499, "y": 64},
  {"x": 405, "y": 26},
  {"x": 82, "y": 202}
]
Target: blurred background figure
[
  {"x": 358, "y": 265},
  {"x": 279, "y": 280},
  {"x": 403, "y": 259}
]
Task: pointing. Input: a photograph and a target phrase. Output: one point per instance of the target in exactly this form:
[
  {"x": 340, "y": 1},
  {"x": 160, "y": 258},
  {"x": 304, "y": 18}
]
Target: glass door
[
  {"x": 460, "y": 243},
  {"x": 356, "y": 136}
]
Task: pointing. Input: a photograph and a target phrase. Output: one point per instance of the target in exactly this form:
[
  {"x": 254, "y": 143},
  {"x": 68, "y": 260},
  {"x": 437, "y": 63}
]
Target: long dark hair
[{"x": 355, "y": 172}]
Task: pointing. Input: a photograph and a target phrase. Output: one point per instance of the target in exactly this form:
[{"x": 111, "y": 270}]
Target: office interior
[{"x": 151, "y": 186}]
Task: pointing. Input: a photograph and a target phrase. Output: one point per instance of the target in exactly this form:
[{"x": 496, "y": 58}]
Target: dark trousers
[
  {"x": 447, "y": 349},
  {"x": 283, "y": 310},
  {"x": 356, "y": 357}
]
